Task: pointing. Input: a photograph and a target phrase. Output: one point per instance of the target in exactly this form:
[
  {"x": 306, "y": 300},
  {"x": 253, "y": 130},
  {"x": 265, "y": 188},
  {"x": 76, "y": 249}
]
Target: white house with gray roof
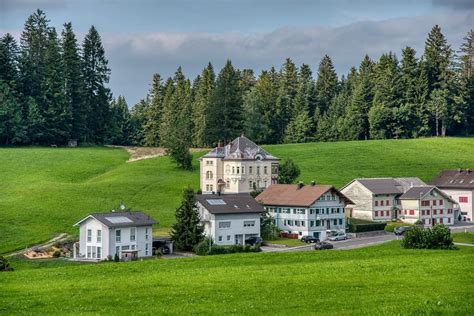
[
  {"x": 127, "y": 234},
  {"x": 239, "y": 167},
  {"x": 229, "y": 219},
  {"x": 405, "y": 199}
]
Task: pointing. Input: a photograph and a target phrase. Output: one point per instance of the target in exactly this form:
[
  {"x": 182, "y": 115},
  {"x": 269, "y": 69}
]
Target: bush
[
  {"x": 202, "y": 248},
  {"x": 4, "y": 264},
  {"x": 359, "y": 228},
  {"x": 57, "y": 254},
  {"x": 222, "y": 250},
  {"x": 116, "y": 257},
  {"x": 391, "y": 226},
  {"x": 437, "y": 237}
]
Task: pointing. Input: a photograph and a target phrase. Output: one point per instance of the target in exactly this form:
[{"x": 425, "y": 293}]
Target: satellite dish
[{"x": 122, "y": 206}]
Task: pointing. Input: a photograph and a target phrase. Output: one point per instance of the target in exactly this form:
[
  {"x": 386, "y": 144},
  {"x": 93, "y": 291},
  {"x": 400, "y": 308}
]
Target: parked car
[
  {"x": 254, "y": 240},
  {"x": 338, "y": 236},
  {"x": 400, "y": 230},
  {"x": 309, "y": 239},
  {"x": 323, "y": 245}
]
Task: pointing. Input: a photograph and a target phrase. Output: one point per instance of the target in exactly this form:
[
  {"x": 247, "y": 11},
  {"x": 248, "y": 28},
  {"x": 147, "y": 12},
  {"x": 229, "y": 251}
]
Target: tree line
[{"x": 52, "y": 90}]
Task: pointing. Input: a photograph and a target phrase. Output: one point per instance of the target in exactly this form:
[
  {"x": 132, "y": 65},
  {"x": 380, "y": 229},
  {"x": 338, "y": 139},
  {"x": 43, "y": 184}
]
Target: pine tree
[
  {"x": 438, "y": 56},
  {"x": 120, "y": 125},
  {"x": 288, "y": 172},
  {"x": 326, "y": 83},
  {"x": 9, "y": 61},
  {"x": 465, "y": 96},
  {"x": 438, "y": 106},
  {"x": 267, "y": 86},
  {"x": 299, "y": 130},
  {"x": 96, "y": 75},
  {"x": 288, "y": 85},
  {"x": 73, "y": 83},
  {"x": 154, "y": 112},
  {"x": 36, "y": 123},
  {"x": 139, "y": 118},
  {"x": 201, "y": 106},
  {"x": 188, "y": 231},
  {"x": 225, "y": 112}
]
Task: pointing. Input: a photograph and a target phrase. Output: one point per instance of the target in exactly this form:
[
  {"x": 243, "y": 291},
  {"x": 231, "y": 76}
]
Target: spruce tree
[
  {"x": 154, "y": 112},
  {"x": 288, "y": 86},
  {"x": 139, "y": 119},
  {"x": 465, "y": 95},
  {"x": 9, "y": 61},
  {"x": 267, "y": 86},
  {"x": 288, "y": 172},
  {"x": 254, "y": 124},
  {"x": 188, "y": 231},
  {"x": 438, "y": 56},
  {"x": 299, "y": 130},
  {"x": 225, "y": 113},
  {"x": 201, "y": 106},
  {"x": 96, "y": 73},
  {"x": 326, "y": 83},
  {"x": 73, "y": 83},
  {"x": 12, "y": 127}
]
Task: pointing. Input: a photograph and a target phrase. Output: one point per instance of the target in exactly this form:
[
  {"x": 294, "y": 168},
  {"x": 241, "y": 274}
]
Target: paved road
[{"x": 363, "y": 241}]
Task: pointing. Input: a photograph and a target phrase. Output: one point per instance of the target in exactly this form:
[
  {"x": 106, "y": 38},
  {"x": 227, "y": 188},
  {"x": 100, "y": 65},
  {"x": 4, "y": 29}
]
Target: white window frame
[
  {"x": 89, "y": 235},
  {"x": 118, "y": 237},
  {"x": 133, "y": 235},
  {"x": 99, "y": 235}
]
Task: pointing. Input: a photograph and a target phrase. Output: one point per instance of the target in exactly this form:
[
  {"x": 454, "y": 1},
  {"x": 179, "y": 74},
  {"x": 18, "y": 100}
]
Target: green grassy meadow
[
  {"x": 467, "y": 238},
  {"x": 378, "y": 280},
  {"x": 44, "y": 191}
]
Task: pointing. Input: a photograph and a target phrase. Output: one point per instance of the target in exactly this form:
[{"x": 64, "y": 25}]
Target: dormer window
[{"x": 258, "y": 157}]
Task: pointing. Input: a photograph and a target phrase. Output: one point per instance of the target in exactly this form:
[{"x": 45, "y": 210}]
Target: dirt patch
[{"x": 139, "y": 153}]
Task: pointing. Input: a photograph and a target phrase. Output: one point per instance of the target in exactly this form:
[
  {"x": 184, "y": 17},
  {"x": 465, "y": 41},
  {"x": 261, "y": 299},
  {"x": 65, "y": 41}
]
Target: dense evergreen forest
[{"x": 53, "y": 90}]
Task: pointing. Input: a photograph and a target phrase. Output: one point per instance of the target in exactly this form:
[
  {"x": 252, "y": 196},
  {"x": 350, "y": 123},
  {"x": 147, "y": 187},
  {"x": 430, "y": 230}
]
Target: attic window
[
  {"x": 235, "y": 206},
  {"x": 451, "y": 181},
  {"x": 119, "y": 219},
  {"x": 461, "y": 181}
]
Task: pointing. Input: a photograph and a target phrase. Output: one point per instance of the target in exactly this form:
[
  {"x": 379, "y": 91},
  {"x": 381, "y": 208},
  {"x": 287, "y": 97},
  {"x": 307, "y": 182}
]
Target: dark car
[
  {"x": 323, "y": 245},
  {"x": 309, "y": 239},
  {"x": 253, "y": 240},
  {"x": 400, "y": 230}
]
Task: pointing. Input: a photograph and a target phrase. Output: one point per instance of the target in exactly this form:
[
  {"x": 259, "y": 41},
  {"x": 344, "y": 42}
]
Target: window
[
  {"x": 125, "y": 247},
  {"x": 146, "y": 233},
  {"x": 449, "y": 219},
  {"x": 249, "y": 223},
  {"x": 99, "y": 235},
  {"x": 441, "y": 211},
  {"x": 434, "y": 212},
  {"x": 434, "y": 202},
  {"x": 89, "y": 235},
  {"x": 463, "y": 199},
  {"x": 250, "y": 170},
  {"x": 258, "y": 170},
  {"x": 209, "y": 175},
  {"x": 224, "y": 224},
  {"x": 376, "y": 203},
  {"x": 89, "y": 251},
  {"x": 228, "y": 237},
  {"x": 99, "y": 252},
  {"x": 440, "y": 202},
  {"x": 427, "y": 212},
  {"x": 133, "y": 247},
  {"x": 146, "y": 249},
  {"x": 265, "y": 170},
  {"x": 381, "y": 203},
  {"x": 220, "y": 238},
  {"x": 227, "y": 169},
  {"x": 250, "y": 184},
  {"x": 118, "y": 235},
  {"x": 233, "y": 170},
  {"x": 311, "y": 223},
  {"x": 340, "y": 221},
  {"x": 243, "y": 169},
  {"x": 450, "y": 211},
  {"x": 318, "y": 223},
  {"x": 441, "y": 220},
  {"x": 376, "y": 213},
  {"x": 412, "y": 212},
  {"x": 387, "y": 202},
  {"x": 132, "y": 234},
  {"x": 94, "y": 255},
  {"x": 425, "y": 203},
  {"x": 302, "y": 223},
  {"x": 227, "y": 184},
  {"x": 117, "y": 250},
  {"x": 334, "y": 221},
  {"x": 238, "y": 170},
  {"x": 422, "y": 212}
]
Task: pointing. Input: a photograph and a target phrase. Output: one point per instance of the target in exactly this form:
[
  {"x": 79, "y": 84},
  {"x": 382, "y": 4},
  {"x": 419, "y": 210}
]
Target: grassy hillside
[
  {"x": 44, "y": 191},
  {"x": 378, "y": 280}
]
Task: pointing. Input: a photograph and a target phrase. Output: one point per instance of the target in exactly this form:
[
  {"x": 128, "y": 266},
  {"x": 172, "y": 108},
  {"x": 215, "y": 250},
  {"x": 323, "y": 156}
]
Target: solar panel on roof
[
  {"x": 119, "y": 219},
  {"x": 216, "y": 202}
]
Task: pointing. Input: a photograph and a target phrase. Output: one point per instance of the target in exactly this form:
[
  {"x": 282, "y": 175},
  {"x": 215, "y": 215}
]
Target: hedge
[{"x": 359, "y": 228}]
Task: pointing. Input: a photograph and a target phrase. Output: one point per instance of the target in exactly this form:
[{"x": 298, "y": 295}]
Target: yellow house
[{"x": 239, "y": 167}]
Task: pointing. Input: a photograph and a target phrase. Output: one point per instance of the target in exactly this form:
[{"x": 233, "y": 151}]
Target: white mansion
[{"x": 239, "y": 167}]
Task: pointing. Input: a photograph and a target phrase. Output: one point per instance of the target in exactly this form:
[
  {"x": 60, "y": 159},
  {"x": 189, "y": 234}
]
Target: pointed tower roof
[{"x": 240, "y": 148}]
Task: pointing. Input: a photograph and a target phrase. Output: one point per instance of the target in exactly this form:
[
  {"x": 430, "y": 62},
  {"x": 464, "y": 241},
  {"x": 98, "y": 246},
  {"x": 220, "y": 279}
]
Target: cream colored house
[{"x": 239, "y": 167}]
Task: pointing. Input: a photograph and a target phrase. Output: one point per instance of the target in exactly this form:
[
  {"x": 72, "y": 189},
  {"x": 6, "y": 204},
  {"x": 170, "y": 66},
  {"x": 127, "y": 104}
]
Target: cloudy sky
[{"x": 143, "y": 37}]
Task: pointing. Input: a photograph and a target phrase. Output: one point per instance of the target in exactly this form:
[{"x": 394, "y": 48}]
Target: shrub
[
  {"x": 221, "y": 250},
  {"x": 57, "y": 254},
  {"x": 437, "y": 237},
  {"x": 116, "y": 258},
  {"x": 5, "y": 264}
]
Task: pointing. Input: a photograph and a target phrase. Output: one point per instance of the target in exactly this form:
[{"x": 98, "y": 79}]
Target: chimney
[
  {"x": 300, "y": 185},
  {"x": 313, "y": 183},
  {"x": 468, "y": 171}
]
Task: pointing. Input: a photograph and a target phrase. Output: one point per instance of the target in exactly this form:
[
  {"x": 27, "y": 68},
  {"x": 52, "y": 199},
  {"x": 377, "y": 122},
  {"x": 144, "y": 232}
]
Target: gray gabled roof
[
  {"x": 455, "y": 179},
  {"x": 390, "y": 185},
  {"x": 229, "y": 203},
  {"x": 240, "y": 148},
  {"x": 121, "y": 219},
  {"x": 416, "y": 193}
]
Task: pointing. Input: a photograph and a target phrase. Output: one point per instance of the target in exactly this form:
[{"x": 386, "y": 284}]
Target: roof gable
[
  {"x": 459, "y": 179},
  {"x": 229, "y": 203},
  {"x": 240, "y": 148},
  {"x": 120, "y": 219}
]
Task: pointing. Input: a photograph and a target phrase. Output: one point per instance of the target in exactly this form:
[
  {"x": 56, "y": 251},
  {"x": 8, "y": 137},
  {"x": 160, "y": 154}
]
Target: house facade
[
  {"x": 229, "y": 219},
  {"x": 405, "y": 199},
  {"x": 127, "y": 234},
  {"x": 239, "y": 167},
  {"x": 308, "y": 210},
  {"x": 459, "y": 184},
  {"x": 428, "y": 205}
]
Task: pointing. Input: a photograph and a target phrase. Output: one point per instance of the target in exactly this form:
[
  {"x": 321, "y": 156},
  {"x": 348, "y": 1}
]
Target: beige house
[
  {"x": 426, "y": 204},
  {"x": 239, "y": 167},
  {"x": 459, "y": 184}
]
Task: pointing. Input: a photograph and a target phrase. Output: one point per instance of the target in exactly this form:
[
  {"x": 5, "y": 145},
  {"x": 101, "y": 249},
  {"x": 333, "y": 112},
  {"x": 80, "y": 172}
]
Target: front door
[{"x": 239, "y": 239}]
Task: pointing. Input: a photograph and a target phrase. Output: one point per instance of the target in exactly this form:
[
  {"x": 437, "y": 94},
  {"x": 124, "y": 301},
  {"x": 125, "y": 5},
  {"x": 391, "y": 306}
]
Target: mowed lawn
[
  {"x": 44, "y": 191},
  {"x": 379, "y": 280}
]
